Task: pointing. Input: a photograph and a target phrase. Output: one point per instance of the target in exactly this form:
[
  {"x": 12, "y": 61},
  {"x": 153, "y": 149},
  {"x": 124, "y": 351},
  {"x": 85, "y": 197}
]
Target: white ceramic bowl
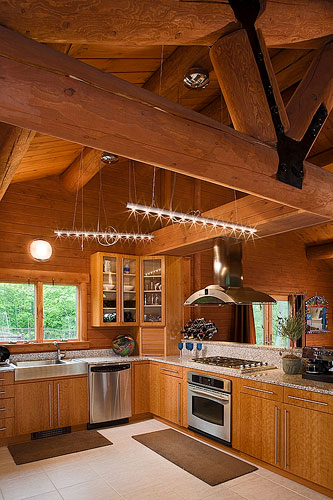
[
  {"x": 128, "y": 288},
  {"x": 109, "y": 287}
]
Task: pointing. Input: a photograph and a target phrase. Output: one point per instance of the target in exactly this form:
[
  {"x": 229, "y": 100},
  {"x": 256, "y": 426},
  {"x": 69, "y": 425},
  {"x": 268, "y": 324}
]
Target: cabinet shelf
[
  {"x": 155, "y": 276},
  {"x": 153, "y": 291}
]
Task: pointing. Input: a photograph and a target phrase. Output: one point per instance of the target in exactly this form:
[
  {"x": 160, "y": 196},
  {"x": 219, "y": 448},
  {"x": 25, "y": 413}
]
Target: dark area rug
[
  {"x": 40, "y": 449},
  {"x": 202, "y": 461}
]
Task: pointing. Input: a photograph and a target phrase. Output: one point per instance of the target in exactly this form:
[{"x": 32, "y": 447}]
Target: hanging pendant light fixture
[{"x": 180, "y": 217}]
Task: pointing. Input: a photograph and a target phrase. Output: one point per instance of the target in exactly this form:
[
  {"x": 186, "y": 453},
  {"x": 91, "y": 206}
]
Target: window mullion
[{"x": 39, "y": 311}]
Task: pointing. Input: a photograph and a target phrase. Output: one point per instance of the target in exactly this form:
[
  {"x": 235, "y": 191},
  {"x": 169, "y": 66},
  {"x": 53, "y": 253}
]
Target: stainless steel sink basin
[
  {"x": 38, "y": 362},
  {"x": 47, "y": 368}
]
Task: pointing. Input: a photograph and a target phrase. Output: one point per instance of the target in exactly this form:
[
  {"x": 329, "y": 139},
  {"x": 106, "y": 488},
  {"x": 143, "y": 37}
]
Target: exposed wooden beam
[
  {"x": 56, "y": 95},
  {"x": 156, "y": 22},
  {"x": 320, "y": 252},
  {"x": 315, "y": 88},
  {"x": 82, "y": 169},
  {"x": 239, "y": 78},
  {"x": 169, "y": 82},
  {"x": 323, "y": 159},
  {"x": 14, "y": 142},
  {"x": 315, "y": 43},
  {"x": 269, "y": 218}
]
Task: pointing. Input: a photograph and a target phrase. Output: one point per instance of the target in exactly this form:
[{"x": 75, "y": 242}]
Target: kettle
[{"x": 4, "y": 354}]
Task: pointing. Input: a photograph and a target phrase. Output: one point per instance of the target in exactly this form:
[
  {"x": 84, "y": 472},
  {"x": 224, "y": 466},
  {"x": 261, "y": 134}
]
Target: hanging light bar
[
  {"x": 189, "y": 218},
  {"x": 104, "y": 235}
]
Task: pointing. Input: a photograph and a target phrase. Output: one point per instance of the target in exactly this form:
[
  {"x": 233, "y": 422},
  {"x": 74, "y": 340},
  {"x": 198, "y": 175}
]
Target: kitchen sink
[{"x": 47, "y": 368}]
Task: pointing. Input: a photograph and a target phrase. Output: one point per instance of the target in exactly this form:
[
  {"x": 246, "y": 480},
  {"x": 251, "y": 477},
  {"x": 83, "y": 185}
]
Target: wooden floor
[{"x": 128, "y": 470}]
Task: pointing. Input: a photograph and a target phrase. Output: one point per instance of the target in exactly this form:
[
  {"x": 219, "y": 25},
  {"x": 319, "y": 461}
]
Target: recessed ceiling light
[
  {"x": 109, "y": 158},
  {"x": 196, "y": 78}
]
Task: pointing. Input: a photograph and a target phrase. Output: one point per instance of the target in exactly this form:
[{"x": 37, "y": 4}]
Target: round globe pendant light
[{"x": 40, "y": 250}]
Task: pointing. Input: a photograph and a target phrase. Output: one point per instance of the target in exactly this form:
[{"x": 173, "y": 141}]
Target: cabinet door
[
  {"x": 171, "y": 398},
  {"x": 153, "y": 291},
  {"x": 155, "y": 388},
  {"x": 141, "y": 386},
  {"x": 308, "y": 441},
  {"x": 130, "y": 284},
  {"x": 71, "y": 401},
  {"x": 260, "y": 428},
  {"x": 33, "y": 407}
]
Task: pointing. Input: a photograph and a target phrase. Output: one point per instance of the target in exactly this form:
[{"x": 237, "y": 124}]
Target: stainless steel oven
[{"x": 209, "y": 406}]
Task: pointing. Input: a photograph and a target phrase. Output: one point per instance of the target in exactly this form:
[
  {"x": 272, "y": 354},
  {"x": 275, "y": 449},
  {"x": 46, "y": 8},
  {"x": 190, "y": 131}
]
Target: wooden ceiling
[
  {"x": 130, "y": 47},
  {"x": 161, "y": 69}
]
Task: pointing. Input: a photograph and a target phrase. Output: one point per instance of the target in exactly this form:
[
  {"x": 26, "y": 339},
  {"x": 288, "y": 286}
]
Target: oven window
[{"x": 208, "y": 410}]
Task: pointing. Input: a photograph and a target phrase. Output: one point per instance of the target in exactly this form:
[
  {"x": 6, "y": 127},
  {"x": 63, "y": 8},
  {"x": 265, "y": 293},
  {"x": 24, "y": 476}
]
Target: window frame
[
  {"x": 81, "y": 307},
  {"x": 268, "y": 318}
]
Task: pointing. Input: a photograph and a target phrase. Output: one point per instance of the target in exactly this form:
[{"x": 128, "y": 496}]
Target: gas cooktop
[{"x": 243, "y": 365}]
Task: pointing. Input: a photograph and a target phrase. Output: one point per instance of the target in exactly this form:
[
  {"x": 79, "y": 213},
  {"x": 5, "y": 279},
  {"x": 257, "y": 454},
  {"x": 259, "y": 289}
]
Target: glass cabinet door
[
  {"x": 110, "y": 286},
  {"x": 152, "y": 291},
  {"x": 129, "y": 270}
]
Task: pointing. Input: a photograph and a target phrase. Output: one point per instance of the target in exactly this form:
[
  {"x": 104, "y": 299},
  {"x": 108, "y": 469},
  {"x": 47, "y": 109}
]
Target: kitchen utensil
[
  {"x": 109, "y": 287},
  {"x": 128, "y": 288}
]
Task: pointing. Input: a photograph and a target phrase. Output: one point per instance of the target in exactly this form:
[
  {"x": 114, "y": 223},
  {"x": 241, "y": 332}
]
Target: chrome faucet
[{"x": 60, "y": 355}]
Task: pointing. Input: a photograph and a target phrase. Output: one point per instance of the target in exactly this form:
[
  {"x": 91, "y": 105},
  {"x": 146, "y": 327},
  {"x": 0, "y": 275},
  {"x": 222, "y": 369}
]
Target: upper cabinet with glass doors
[
  {"x": 152, "y": 291},
  {"x": 114, "y": 289}
]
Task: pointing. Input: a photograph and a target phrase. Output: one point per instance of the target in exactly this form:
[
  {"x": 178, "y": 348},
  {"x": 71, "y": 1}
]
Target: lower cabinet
[
  {"x": 290, "y": 436},
  {"x": 171, "y": 398},
  {"x": 45, "y": 405},
  {"x": 308, "y": 444},
  {"x": 260, "y": 429},
  {"x": 141, "y": 387}
]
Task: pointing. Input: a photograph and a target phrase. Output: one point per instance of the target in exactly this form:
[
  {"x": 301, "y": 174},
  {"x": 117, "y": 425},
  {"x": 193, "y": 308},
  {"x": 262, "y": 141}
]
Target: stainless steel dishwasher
[{"x": 110, "y": 397}]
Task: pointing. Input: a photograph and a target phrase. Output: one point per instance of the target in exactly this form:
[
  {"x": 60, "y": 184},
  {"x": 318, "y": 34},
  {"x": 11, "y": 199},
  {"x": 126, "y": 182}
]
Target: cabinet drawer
[
  {"x": 6, "y": 427},
  {"x": 262, "y": 390},
  {"x": 308, "y": 399},
  {"x": 172, "y": 370},
  {"x": 6, "y": 408},
  {"x": 6, "y": 391},
  {"x": 6, "y": 378}
]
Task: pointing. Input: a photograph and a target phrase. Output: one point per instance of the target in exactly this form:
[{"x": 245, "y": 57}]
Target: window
[
  {"x": 38, "y": 312},
  {"x": 266, "y": 322},
  {"x": 17, "y": 312}
]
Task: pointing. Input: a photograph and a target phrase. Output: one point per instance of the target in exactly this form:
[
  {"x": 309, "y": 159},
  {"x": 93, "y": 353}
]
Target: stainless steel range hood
[{"x": 228, "y": 279}]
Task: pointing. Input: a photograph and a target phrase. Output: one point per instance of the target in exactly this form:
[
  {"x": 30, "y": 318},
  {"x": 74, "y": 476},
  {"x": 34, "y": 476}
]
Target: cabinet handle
[
  {"x": 178, "y": 403},
  {"x": 308, "y": 400},
  {"x": 285, "y": 438},
  {"x": 58, "y": 402},
  {"x": 2, "y": 392},
  {"x": 2, "y": 409},
  {"x": 169, "y": 370},
  {"x": 258, "y": 390},
  {"x": 275, "y": 434},
  {"x": 3, "y": 429},
  {"x": 50, "y": 406},
  {"x": 2, "y": 379}
]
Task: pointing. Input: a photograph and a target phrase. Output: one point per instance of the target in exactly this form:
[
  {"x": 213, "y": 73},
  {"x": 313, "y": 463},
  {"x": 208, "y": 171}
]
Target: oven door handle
[{"x": 210, "y": 395}]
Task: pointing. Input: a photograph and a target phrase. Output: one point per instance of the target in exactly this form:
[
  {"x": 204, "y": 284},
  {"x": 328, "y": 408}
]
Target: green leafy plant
[{"x": 292, "y": 328}]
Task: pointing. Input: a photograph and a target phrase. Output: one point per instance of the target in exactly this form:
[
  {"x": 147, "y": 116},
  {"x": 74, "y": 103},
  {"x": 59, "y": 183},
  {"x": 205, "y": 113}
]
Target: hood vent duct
[{"x": 228, "y": 279}]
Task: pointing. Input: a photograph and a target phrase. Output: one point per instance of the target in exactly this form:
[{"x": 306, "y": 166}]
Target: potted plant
[{"x": 292, "y": 328}]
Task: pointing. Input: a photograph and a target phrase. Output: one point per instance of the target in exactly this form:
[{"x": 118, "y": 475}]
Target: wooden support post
[
  {"x": 82, "y": 169},
  {"x": 14, "y": 143},
  {"x": 315, "y": 88},
  {"x": 50, "y": 92}
]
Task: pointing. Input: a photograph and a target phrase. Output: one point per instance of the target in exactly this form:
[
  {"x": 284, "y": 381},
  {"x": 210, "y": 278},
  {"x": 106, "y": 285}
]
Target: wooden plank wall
[
  {"x": 276, "y": 265},
  {"x": 33, "y": 209}
]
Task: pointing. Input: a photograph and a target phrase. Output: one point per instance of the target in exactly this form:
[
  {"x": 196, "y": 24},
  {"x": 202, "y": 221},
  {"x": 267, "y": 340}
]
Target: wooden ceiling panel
[{"x": 46, "y": 156}]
